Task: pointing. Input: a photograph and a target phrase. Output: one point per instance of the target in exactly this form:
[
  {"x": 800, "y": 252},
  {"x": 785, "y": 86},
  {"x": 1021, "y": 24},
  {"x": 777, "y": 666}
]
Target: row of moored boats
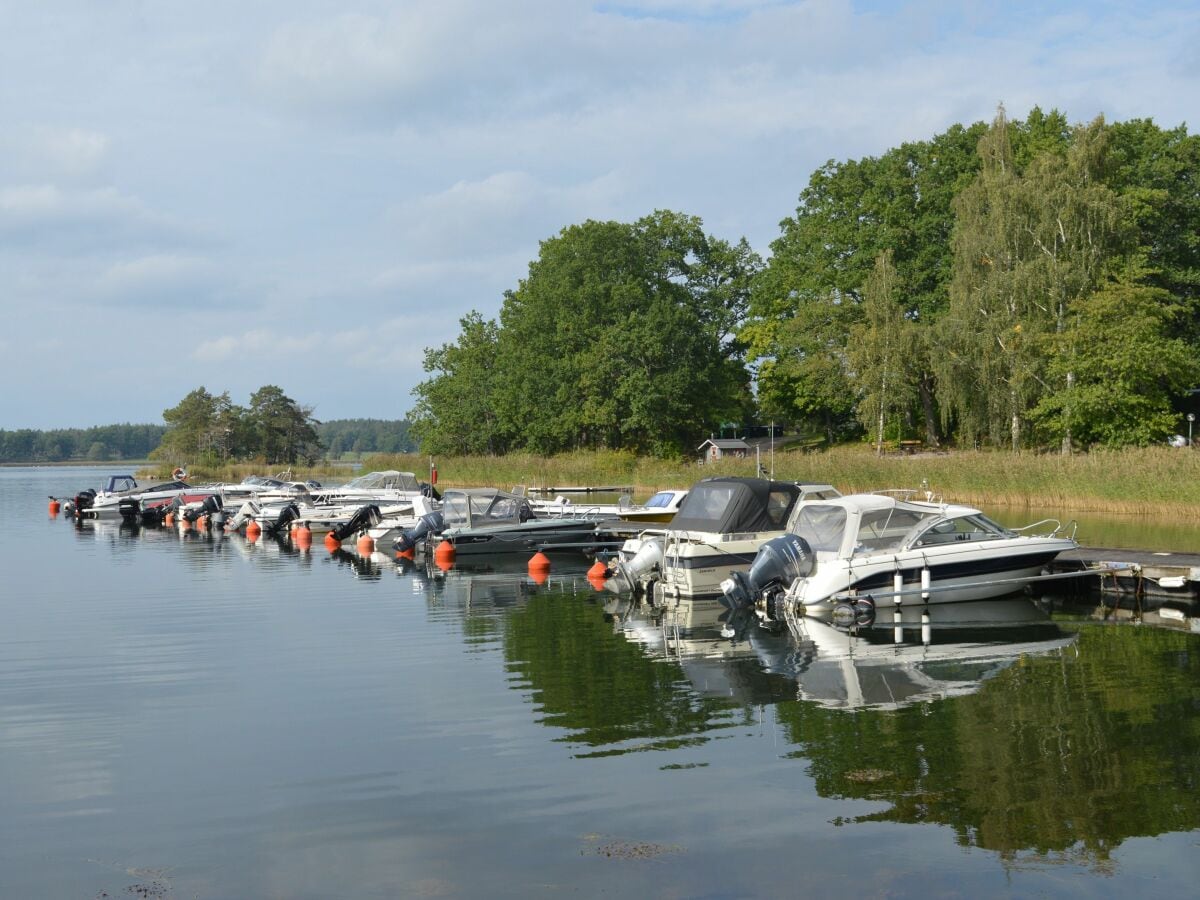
[{"x": 782, "y": 549}]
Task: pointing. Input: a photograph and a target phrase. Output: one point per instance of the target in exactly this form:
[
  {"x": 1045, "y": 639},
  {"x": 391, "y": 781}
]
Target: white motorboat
[
  {"x": 719, "y": 527},
  {"x": 123, "y": 498},
  {"x": 843, "y": 559},
  {"x": 385, "y": 488},
  {"x": 661, "y": 507}
]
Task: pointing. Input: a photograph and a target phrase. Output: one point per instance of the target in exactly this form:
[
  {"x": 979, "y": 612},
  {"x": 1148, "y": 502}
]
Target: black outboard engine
[
  {"x": 210, "y": 505},
  {"x": 428, "y": 490},
  {"x": 290, "y": 513},
  {"x": 83, "y": 501},
  {"x": 130, "y": 510},
  {"x": 364, "y": 517},
  {"x": 430, "y": 523},
  {"x": 779, "y": 562}
]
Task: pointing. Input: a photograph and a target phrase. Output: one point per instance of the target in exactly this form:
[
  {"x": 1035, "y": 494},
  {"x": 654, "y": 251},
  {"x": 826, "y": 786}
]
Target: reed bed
[
  {"x": 1156, "y": 481},
  {"x": 1139, "y": 481}
]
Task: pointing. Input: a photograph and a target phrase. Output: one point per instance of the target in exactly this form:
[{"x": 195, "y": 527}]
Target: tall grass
[
  {"x": 1157, "y": 481},
  {"x": 1149, "y": 481}
]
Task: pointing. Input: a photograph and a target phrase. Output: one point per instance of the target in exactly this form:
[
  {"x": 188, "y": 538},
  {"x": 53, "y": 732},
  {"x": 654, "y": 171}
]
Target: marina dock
[{"x": 1142, "y": 573}]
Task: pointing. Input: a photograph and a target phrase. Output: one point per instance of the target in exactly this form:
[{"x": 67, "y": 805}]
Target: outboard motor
[
  {"x": 290, "y": 513},
  {"x": 780, "y": 561},
  {"x": 625, "y": 576},
  {"x": 210, "y": 505},
  {"x": 130, "y": 510},
  {"x": 364, "y": 517},
  {"x": 430, "y": 523},
  {"x": 83, "y": 501},
  {"x": 428, "y": 490},
  {"x": 245, "y": 513}
]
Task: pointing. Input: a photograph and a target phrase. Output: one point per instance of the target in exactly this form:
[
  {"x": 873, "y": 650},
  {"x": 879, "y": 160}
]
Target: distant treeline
[
  {"x": 109, "y": 443},
  {"x": 99, "y": 444},
  {"x": 356, "y": 436}
]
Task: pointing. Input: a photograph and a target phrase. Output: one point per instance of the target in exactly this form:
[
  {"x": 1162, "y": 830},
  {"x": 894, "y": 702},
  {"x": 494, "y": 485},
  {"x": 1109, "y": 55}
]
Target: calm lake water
[{"x": 193, "y": 716}]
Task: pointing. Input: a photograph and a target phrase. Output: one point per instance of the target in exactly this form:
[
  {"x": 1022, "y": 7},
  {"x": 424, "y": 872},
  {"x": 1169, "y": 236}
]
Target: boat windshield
[
  {"x": 661, "y": 500},
  {"x": 977, "y": 527},
  {"x": 821, "y": 526}
]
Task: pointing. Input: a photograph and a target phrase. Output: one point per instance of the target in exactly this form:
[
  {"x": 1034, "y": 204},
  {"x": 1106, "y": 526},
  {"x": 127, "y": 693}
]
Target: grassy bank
[
  {"x": 1153, "y": 481},
  {"x": 1158, "y": 481}
]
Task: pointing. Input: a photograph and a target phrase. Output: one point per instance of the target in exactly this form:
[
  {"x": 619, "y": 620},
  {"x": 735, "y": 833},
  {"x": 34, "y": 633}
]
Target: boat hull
[{"x": 953, "y": 578}]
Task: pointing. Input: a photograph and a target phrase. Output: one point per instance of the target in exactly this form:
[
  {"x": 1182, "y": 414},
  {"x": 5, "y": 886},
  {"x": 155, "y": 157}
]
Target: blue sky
[{"x": 309, "y": 193}]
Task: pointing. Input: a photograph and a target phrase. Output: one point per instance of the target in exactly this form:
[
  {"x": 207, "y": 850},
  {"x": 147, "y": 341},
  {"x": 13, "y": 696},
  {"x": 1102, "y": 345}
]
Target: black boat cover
[{"x": 726, "y": 505}]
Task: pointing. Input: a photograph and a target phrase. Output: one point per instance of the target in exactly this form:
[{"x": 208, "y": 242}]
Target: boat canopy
[
  {"x": 879, "y": 525},
  {"x": 386, "y": 480},
  {"x": 478, "y": 507},
  {"x": 727, "y": 505}
]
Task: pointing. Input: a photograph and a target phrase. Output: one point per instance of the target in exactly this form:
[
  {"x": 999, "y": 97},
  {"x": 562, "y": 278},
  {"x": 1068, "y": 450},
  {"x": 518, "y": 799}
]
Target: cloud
[
  {"x": 161, "y": 280},
  {"x": 82, "y": 220},
  {"x": 44, "y": 152}
]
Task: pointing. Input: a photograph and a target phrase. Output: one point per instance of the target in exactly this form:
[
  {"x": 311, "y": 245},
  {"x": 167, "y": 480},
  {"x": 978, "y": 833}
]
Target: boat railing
[
  {"x": 1059, "y": 529},
  {"x": 922, "y": 494}
]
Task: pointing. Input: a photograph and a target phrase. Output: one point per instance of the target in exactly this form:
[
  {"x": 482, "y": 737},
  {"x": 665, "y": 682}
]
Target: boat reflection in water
[{"x": 726, "y": 652}]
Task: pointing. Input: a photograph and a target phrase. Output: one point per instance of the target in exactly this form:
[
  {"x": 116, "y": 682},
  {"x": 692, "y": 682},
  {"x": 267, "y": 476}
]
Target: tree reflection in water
[{"x": 1073, "y": 739}]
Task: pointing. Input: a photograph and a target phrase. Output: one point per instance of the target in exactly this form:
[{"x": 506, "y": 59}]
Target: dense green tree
[
  {"x": 606, "y": 343},
  {"x": 1027, "y": 247},
  {"x": 284, "y": 431},
  {"x": 190, "y": 427},
  {"x": 1157, "y": 171},
  {"x": 1117, "y": 368},
  {"x": 808, "y": 297},
  {"x": 882, "y": 351},
  {"x": 456, "y": 408}
]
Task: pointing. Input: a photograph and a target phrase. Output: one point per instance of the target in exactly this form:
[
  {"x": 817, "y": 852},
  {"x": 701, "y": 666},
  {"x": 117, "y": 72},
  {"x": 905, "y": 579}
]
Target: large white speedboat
[
  {"x": 844, "y": 559},
  {"x": 719, "y": 527}
]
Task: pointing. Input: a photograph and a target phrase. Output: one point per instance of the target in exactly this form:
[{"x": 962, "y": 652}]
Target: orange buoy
[
  {"x": 410, "y": 553},
  {"x": 302, "y": 535},
  {"x": 444, "y": 563},
  {"x": 202, "y": 523},
  {"x": 444, "y": 551},
  {"x": 331, "y": 542},
  {"x": 539, "y": 562},
  {"x": 365, "y": 545},
  {"x": 597, "y": 581},
  {"x": 253, "y": 530},
  {"x": 598, "y": 570},
  {"x": 54, "y": 507},
  {"x": 169, "y": 519},
  {"x": 539, "y": 576}
]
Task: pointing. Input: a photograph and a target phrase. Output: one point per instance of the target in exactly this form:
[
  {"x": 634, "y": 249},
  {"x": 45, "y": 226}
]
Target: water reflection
[
  {"x": 230, "y": 708},
  {"x": 1030, "y": 737}
]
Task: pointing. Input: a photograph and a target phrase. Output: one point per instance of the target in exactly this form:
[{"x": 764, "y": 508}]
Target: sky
[{"x": 308, "y": 194}]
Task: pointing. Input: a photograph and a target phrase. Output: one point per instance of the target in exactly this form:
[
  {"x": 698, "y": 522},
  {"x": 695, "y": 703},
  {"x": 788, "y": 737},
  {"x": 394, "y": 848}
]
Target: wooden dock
[{"x": 1140, "y": 572}]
